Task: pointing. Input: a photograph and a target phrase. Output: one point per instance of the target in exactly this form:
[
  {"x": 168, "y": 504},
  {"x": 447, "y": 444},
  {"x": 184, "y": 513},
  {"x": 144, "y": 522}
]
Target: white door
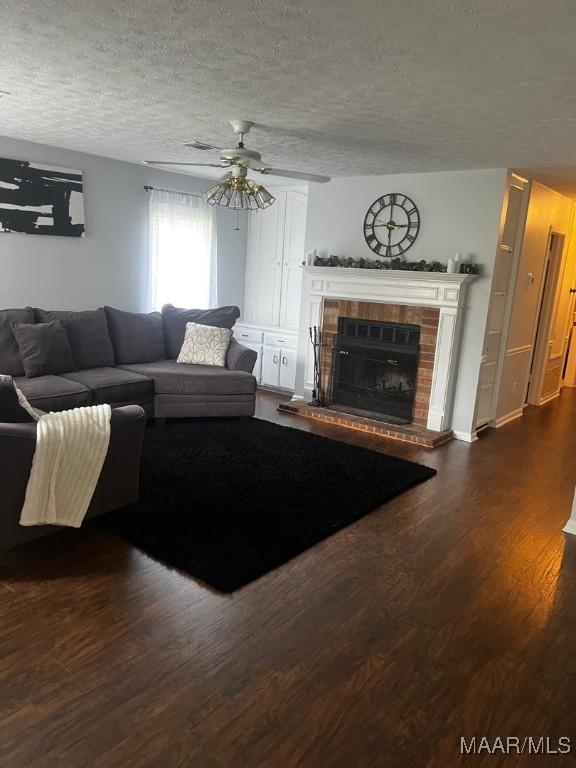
[
  {"x": 293, "y": 258},
  {"x": 501, "y": 286},
  {"x": 264, "y": 263},
  {"x": 271, "y": 366},
  {"x": 503, "y": 281},
  {"x": 551, "y": 342},
  {"x": 288, "y": 369}
]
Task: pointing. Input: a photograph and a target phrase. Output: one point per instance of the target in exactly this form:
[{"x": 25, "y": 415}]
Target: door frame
[{"x": 569, "y": 370}]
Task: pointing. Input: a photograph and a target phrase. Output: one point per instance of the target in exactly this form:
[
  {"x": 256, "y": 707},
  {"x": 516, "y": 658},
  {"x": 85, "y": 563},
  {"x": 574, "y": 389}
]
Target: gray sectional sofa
[{"x": 124, "y": 358}]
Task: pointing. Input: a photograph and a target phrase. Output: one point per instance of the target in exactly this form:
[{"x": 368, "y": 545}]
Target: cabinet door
[
  {"x": 264, "y": 263},
  {"x": 293, "y": 256},
  {"x": 288, "y": 369},
  {"x": 270, "y": 366}
]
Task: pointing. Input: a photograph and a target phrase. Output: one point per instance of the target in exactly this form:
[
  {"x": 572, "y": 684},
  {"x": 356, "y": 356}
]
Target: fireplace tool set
[{"x": 316, "y": 340}]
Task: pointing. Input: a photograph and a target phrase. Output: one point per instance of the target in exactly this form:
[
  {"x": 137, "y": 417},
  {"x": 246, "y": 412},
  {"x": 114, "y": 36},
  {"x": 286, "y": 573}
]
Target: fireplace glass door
[{"x": 374, "y": 369}]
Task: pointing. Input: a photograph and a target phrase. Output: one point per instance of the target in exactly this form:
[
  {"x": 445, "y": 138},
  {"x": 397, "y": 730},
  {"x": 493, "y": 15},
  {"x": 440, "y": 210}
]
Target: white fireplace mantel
[{"x": 443, "y": 290}]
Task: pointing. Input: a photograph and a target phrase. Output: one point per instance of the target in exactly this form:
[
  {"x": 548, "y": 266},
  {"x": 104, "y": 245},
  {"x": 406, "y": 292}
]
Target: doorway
[{"x": 549, "y": 348}]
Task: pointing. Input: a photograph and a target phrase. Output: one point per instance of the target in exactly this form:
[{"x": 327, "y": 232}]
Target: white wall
[
  {"x": 546, "y": 210},
  {"x": 460, "y": 213},
  {"x": 109, "y": 265}
]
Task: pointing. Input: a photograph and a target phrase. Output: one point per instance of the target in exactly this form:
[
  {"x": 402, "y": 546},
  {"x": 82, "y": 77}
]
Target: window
[{"x": 182, "y": 251}]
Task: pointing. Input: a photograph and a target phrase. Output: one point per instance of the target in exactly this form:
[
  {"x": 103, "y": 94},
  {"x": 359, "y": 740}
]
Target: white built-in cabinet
[{"x": 275, "y": 254}]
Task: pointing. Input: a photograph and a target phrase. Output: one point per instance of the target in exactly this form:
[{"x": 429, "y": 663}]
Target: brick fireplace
[
  {"x": 431, "y": 302},
  {"x": 425, "y": 318}
]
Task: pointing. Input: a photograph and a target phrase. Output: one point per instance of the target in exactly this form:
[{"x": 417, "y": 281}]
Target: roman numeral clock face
[{"x": 391, "y": 225}]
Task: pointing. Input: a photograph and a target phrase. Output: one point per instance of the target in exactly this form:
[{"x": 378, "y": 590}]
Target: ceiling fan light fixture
[{"x": 239, "y": 193}]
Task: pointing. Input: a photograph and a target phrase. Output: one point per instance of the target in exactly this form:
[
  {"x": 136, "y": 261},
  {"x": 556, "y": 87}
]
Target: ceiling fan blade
[
  {"x": 199, "y": 145},
  {"x": 173, "y": 162},
  {"x": 294, "y": 175}
]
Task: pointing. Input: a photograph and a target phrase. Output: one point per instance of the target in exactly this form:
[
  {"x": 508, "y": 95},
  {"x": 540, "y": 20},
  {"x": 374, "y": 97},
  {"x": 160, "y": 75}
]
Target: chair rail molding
[{"x": 445, "y": 291}]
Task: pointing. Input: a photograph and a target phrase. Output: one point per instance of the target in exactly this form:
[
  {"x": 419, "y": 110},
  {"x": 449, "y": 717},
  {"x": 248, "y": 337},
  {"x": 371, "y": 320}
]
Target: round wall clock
[{"x": 391, "y": 225}]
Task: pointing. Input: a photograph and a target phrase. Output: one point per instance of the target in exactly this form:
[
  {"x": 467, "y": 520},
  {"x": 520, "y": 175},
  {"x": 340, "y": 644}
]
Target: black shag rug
[{"x": 229, "y": 500}]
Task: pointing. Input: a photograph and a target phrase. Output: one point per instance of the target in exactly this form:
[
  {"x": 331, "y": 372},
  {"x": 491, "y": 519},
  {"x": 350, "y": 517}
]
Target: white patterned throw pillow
[{"x": 205, "y": 345}]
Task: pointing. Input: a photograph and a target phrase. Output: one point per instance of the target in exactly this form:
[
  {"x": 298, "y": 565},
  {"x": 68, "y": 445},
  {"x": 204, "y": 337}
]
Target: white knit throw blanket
[{"x": 70, "y": 450}]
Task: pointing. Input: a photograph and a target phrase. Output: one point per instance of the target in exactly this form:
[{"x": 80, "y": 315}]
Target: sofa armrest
[
  {"x": 240, "y": 358},
  {"x": 126, "y": 414},
  {"x": 17, "y": 431}
]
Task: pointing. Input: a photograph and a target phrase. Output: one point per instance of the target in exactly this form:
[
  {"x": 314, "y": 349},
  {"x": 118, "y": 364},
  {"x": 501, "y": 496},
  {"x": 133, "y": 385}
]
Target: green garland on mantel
[{"x": 394, "y": 263}]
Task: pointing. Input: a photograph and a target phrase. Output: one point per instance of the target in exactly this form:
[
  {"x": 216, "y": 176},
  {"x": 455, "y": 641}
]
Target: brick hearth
[{"x": 407, "y": 433}]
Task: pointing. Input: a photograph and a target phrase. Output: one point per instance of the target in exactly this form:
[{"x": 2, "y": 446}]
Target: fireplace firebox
[{"x": 374, "y": 369}]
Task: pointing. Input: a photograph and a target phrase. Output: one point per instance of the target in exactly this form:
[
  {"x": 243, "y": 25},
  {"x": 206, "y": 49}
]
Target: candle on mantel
[{"x": 454, "y": 263}]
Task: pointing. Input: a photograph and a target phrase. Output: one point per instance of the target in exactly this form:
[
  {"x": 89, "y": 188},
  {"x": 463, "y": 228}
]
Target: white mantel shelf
[
  {"x": 443, "y": 290},
  {"x": 402, "y": 286}
]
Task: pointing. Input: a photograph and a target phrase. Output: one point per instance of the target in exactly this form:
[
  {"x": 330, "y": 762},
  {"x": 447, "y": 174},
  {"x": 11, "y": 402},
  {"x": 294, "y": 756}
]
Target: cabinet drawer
[
  {"x": 248, "y": 334},
  {"x": 288, "y": 340}
]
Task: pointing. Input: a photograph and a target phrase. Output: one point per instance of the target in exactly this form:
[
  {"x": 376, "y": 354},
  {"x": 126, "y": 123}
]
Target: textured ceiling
[{"x": 335, "y": 86}]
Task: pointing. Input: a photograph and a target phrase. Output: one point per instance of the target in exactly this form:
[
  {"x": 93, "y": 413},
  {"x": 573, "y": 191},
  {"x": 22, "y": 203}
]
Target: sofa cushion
[
  {"x": 54, "y": 393},
  {"x": 10, "y": 362},
  {"x": 44, "y": 348},
  {"x": 175, "y": 319},
  {"x": 114, "y": 385},
  {"x": 171, "y": 377},
  {"x": 136, "y": 337},
  {"x": 87, "y": 333}
]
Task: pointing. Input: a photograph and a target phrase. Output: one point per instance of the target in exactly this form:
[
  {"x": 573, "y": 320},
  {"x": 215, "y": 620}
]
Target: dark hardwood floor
[{"x": 450, "y": 612}]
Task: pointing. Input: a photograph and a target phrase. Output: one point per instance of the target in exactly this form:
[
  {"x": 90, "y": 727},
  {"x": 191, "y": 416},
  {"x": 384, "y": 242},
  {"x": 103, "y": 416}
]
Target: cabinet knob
[
  {"x": 275, "y": 359},
  {"x": 284, "y": 361}
]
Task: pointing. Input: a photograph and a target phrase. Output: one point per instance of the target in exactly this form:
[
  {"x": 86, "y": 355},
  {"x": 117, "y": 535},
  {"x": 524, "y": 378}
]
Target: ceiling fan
[{"x": 236, "y": 190}]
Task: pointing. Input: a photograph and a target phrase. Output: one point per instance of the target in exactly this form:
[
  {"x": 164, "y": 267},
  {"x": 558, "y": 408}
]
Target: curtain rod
[{"x": 148, "y": 188}]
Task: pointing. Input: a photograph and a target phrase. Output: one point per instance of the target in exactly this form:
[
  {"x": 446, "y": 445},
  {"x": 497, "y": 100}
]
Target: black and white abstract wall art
[{"x": 37, "y": 199}]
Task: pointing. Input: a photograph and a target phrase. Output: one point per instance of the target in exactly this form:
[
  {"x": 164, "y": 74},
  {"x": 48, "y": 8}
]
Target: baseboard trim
[
  {"x": 549, "y": 398},
  {"x": 570, "y": 526},
  {"x": 466, "y": 437},
  {"x": 512, "y": 416},
  {"x": 278, "y": 390}
]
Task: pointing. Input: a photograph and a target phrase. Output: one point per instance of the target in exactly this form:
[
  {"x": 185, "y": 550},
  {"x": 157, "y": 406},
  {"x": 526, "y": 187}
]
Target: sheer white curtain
[{"x": 182, "y": 251}]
